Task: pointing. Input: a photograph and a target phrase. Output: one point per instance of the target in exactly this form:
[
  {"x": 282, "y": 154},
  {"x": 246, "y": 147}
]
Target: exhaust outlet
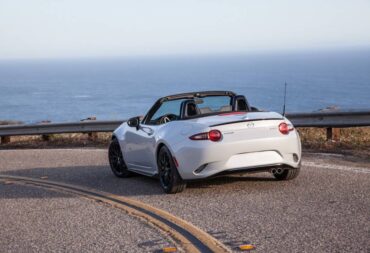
[{"x": 277, "y": 170}]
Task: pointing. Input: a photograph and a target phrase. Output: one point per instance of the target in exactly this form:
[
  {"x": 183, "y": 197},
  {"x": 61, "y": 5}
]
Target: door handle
[{"x": 147, "y": 130}]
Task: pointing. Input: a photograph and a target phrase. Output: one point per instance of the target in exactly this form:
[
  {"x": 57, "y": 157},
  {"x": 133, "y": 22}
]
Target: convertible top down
[{"x": 197, "y": 135}]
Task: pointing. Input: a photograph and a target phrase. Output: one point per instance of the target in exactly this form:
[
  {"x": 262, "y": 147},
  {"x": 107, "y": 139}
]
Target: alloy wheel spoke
[{"x": 116, "y": 159}]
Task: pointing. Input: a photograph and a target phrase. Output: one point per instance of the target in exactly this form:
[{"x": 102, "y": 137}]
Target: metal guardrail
[
  {"x": 318, "y": 119},
  {"x": 59, "y": 128},
  {"x": 330, "y": 119}
]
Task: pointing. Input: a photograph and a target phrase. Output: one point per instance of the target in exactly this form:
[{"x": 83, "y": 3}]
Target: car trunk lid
[
  {"x": 235, "y": 117},
  {"x": 253, "y": 125}
]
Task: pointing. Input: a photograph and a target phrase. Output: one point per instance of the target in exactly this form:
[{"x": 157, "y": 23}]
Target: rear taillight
[
  {"x": 284, "y": 128},
  {"x": 213, "y": 135},
  {"x": 199, "y": 137}
]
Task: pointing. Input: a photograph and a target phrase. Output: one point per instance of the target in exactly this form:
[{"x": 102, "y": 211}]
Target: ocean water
[{"x": 69, "y": 90}]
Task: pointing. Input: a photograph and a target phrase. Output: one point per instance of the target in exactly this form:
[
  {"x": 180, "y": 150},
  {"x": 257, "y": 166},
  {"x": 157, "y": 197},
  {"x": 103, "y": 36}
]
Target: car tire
[
  {"x": 116, "y": 161},
  {"x": 169, "y": 177},
  {"x": 287, "y": 174}
]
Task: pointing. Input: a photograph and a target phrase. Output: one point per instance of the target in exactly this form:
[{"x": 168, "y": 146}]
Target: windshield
[
  {"x": 183, "y": 108},
  {"x": 171, "y": 107}
]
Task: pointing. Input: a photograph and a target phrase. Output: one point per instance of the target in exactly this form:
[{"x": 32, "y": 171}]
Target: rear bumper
[
  {"x": 255, "y": 169},
  {"x": 225, "y": 167},
  {"x": 199, "y": 159}
]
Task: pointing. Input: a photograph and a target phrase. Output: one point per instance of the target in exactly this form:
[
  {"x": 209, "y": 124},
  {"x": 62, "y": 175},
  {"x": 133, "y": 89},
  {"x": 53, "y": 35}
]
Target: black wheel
[
  {"x": 117, "y": 164},
  {"x": 169, "y": 177},
  {"x": 286, "y": 174}
]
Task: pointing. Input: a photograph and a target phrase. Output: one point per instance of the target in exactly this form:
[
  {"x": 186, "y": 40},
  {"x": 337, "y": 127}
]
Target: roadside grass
[
  {"x": 353, "y": 141},
  {"x": 58, "y": 141}
]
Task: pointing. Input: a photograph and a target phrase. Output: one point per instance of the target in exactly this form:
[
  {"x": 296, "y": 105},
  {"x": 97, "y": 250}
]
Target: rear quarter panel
[{"x": 174, "y": 133}]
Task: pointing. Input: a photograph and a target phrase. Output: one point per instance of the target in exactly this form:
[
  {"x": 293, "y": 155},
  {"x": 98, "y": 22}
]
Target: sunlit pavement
[{"x": 325, "y": 209}]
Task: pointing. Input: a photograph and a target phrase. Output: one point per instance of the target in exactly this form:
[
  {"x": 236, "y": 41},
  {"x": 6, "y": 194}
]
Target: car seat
[{"x": 189, "y": 108}]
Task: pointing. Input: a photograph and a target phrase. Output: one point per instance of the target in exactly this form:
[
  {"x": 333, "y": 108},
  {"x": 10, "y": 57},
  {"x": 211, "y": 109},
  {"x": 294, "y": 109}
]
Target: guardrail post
[
  {"x": 5, "y": 139},
  {"x": 45, "y": 137},
  {"x": 332, "y": 134},
  {"x": 92, "y": 136}
]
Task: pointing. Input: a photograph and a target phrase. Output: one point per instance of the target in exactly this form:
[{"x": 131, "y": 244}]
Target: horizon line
[{"x": 197, "y": 54}]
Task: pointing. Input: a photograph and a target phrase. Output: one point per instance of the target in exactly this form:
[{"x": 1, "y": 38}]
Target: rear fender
[{"x": 159, "y": 145}]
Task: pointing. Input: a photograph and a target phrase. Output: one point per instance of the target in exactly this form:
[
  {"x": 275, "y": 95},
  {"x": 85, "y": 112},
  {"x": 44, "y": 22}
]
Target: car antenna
[{"x": 284, "y": 98}]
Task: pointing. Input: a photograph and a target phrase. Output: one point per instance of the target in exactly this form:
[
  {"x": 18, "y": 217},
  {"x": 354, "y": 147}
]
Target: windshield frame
[{"x": 147, "y": 118}]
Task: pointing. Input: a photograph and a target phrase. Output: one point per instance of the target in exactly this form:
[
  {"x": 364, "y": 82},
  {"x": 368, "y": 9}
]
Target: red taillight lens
[
  {"x": 284, "y": 128},
  {"x": 213, "y": 135}
]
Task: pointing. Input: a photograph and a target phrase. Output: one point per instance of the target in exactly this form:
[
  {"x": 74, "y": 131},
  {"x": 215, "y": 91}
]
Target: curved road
[{"x": 326, "y": 209}]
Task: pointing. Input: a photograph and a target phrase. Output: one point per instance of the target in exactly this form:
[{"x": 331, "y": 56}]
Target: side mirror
[{"x": 134, "y": 122}]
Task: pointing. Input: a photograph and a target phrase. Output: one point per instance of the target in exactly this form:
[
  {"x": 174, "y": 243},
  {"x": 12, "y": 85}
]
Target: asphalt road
[
  {"x": 37, "y": 220},
  {"x": 325, "y": 209}
]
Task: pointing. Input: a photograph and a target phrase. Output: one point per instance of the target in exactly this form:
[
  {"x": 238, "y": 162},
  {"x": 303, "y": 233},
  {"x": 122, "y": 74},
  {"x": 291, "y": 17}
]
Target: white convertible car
[{"x": 197, "y": 135}]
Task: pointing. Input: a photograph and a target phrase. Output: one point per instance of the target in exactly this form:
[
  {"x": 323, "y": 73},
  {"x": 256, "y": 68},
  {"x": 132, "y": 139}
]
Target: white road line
[{"x": 337, "y": 167}]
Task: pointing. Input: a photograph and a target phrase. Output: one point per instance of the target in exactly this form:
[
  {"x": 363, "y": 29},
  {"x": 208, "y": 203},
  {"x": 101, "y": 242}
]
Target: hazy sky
[{"x": 93, "y": 28}]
